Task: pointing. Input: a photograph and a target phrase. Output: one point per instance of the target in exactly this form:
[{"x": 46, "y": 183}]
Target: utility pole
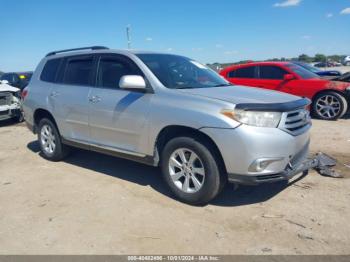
[{"x": 128, "y": 36}]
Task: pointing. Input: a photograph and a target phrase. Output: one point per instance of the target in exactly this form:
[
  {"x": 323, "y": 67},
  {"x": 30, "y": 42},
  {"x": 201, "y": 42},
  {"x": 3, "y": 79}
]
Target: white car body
[{"x": 10, "y": 103}]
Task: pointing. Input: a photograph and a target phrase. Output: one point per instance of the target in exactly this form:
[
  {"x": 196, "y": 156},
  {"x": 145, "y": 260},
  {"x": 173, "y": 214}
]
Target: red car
[{"x": 330, "y": 99}]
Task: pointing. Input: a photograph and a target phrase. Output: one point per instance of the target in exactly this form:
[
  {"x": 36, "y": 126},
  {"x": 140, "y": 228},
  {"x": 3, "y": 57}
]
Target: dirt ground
[{"x": 96, "y": 204}]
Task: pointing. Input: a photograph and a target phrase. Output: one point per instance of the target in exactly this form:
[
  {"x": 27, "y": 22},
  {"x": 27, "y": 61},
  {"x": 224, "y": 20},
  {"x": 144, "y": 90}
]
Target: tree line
[{"x": 303, "y": 58}]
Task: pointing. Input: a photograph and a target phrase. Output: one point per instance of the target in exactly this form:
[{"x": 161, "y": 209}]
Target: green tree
[
  {"x": 320, "y": 58},
  {"x": 305, "y": 58}
]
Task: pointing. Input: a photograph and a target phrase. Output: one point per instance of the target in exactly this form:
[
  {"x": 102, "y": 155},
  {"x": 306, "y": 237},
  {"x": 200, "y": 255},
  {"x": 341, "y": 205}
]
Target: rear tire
[
  {"x": 329, "y": 105},
  {"x": 191, "y": 171},
  {"x": 50, "y": 141}
]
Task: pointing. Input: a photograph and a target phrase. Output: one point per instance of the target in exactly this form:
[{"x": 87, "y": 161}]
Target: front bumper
[
  {"x": 9, "y": 111},
  {"x": 287, "y": 174},
  {"x": 242, "y": 146}
]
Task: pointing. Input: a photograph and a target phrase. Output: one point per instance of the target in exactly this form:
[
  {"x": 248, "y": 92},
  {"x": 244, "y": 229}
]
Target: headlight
[{"x": 254, "y": 118}]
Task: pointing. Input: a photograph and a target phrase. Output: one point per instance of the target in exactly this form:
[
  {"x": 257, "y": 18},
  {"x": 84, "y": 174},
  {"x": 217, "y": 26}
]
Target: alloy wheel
[
  {"x": 328, "y": 106},
  {"x": 47, "y": 139},
  {"x": 186, "y": 170}
]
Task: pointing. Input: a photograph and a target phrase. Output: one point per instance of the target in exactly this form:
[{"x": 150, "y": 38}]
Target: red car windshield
[{"x": 302, "y": 72}]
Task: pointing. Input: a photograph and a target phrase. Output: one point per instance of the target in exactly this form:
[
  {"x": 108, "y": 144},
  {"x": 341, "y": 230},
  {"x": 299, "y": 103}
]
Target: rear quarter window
[{"x": 50, "y": 70}]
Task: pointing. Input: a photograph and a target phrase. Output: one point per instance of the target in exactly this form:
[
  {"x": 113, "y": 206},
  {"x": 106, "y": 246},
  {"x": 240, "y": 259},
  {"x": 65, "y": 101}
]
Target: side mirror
[
  {"x": 288, "y": 77},
  {"x": 132, "y": 82}
]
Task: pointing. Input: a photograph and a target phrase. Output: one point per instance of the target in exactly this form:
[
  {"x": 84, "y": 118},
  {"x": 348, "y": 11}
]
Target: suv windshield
[
  {"x": 180, "y": 72},
  {"x": 302, "y": 72}
]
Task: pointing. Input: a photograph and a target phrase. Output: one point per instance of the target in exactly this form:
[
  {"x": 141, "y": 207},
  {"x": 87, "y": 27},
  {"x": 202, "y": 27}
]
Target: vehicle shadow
[
  {"x": 151, "y": 176},
  {"x": 7, "y": 122}
]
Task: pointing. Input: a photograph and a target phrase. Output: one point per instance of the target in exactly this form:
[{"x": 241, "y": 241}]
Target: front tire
[
  {"x": 50, "y": 141},
  {"x": 329, "y": 105},
  {"x": 19, "y": 118},
  {"x": 191, "y": 170}
]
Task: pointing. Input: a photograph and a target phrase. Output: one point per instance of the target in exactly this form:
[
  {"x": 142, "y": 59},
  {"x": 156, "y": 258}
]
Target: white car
[
  {"x": 346, "y": 61},
  {"x": 10, "y": 102}
]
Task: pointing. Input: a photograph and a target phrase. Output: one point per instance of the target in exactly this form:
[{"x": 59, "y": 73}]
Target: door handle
[
  {"x": 54, "y": 94},
  {"x": 95, "y": 99}
]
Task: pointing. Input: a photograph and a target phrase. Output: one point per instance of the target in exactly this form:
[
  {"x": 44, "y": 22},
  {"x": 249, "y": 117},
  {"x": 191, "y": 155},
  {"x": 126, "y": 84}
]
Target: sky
[{"x": 206, "y": 30}]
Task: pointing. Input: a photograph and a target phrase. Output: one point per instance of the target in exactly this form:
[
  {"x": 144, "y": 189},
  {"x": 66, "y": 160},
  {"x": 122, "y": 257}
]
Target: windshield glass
[
  {"x": 180, "y": 72},
  {"x": 309, "y": 67},
  {"x": 302, "y": 72}
]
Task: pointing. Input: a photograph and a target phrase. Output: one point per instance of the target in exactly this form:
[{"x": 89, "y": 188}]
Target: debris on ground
[{"x": 295, "y": 223}]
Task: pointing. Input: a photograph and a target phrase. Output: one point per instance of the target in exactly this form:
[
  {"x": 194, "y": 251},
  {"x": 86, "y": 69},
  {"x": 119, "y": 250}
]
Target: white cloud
[
  {"x": 345, "y": 11},
  {"x": 288, "y": 3},
  {"x": 306, "y": 37},
  {"x": 329, "y": 15},
  {"x": 149, "y": 39},
  {"x": 169, "y": 49}
]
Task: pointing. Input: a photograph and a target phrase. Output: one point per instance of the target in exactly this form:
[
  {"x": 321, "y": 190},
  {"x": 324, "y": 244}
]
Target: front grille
[
  {"x": 5, "y": 99},
  {"x": 295, "y": 122}
]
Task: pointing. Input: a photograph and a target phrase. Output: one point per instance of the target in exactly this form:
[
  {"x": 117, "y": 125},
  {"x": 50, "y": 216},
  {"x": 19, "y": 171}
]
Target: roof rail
[{"x": 77, "y": 49}]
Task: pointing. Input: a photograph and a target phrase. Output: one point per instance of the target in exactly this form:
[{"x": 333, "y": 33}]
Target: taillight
[{"x": 24, "y": 93}]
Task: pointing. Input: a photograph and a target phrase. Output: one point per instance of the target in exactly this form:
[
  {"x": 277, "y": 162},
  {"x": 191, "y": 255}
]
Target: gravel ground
[{"x": 96, "y": 204}]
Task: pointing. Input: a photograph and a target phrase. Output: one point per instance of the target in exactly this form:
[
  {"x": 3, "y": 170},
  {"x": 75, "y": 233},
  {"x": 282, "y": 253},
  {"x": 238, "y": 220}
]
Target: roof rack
[{"x": 77, "y": 49}]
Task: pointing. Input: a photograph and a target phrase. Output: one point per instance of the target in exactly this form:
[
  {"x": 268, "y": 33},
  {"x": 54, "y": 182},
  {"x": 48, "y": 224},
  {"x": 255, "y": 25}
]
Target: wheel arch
[
  {"x": 172, "y": 131},
  {"x": 328, "y": 90},
  {"x": 41, "y": 113}
]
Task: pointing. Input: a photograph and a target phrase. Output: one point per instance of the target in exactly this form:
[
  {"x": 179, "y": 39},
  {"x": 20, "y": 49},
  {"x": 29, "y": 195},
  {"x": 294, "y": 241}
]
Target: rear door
[
  {"x": 246, "y": 76},
  {"x": 118, "y": 117},
  {"x": 69, "y": 97},
  {"x": 272, "y": 77}
]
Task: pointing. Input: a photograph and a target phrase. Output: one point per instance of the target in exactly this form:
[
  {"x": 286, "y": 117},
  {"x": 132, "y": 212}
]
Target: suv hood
[{"x": 242, "y": 94}]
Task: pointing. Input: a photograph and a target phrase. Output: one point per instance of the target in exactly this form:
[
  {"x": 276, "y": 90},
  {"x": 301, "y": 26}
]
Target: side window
[
  {"x": 245, "y": 72},
  {"x": 111, "y": 70},
  {"x": 231, "y": 74},
  {"x": 7, "y": 77},
  {"x": 16, "y": 79},
  {"x": 50, "y": 70},
  {"x": 272, "y": 72},
  {"x": 79, "y": 71}
]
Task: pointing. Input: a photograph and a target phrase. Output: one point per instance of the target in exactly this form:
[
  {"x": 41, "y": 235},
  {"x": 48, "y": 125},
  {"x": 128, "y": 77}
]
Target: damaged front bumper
[
  {"x": 322, "y": 163},
  {"x": 10, "y": 111}
]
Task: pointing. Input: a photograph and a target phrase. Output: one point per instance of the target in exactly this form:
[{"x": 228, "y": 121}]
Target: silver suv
[{"x": 168, "y": 111}]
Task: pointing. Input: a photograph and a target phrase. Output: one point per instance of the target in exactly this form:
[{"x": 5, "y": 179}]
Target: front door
[
  {"x": 118, "y": 117},
  {"x": 272, "y": 77}
]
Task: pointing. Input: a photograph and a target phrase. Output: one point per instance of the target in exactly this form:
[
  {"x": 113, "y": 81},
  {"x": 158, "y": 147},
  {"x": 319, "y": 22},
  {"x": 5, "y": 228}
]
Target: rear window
[
  {"x": 272, "y": 72},
  {"x": 245, "y": 72},
  {"x": 50, "y": 70},
  {"x": 78, "y": 71}
]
